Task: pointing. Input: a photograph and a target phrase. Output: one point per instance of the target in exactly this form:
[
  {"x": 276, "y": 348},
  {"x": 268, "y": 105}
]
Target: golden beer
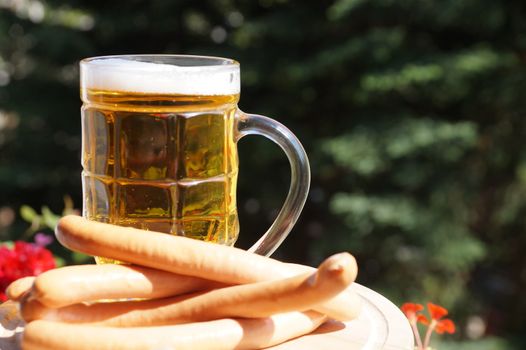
[{"x": 159, "y": 149}]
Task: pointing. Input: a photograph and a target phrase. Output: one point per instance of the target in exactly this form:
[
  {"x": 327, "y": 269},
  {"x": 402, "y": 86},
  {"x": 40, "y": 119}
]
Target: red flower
[
  {"x": 445, "y": 325},
  {"x": 438, "y": 323},
  {"x": 24, "y": 259},
  {"x": 436, "y": 311},
  {"x": 423, "y": 320},
  {"x": 435, "y": 323},
  {"x": 411, "y": 309}
]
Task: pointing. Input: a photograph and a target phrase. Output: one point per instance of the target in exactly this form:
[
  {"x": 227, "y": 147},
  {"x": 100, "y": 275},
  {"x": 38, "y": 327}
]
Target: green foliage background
[{"x": 412, "y": 112}]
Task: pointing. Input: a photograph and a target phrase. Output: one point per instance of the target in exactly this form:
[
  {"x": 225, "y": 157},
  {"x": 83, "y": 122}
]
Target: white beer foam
[{"x": 127, "y": 75}]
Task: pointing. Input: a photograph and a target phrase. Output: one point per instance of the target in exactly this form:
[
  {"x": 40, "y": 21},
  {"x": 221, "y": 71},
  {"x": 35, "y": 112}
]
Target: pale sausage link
[
  {"x": 17, "y": 289},
  {"x": 84, "y": 283},
  {"x": 254, "y": 300},
  {"x": 188, "y": 256},
  {"x": 224, "y": 334}
]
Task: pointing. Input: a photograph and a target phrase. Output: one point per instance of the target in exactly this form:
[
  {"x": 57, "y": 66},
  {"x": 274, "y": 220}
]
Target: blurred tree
[
  {"x": 429, "y": 169},
  {"x": 412, "y": 113}
]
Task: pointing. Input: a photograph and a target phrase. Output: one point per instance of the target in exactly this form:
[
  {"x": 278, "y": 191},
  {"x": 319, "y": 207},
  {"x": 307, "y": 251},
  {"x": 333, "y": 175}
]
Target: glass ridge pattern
[{"x": 150, "y": 163}]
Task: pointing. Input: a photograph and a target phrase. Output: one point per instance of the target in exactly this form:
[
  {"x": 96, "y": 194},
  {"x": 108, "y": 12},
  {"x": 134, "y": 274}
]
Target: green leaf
[
  {"x": 28, "y": 214},
  {"x": 8, "y": 244},
  {"x": 50, "y": 219},
  {"x": 68, "y": 205},
  {"x": 79, "y": 258},
  {"x": 59, "y": 261},
  {"x": 342, "y": 7}
]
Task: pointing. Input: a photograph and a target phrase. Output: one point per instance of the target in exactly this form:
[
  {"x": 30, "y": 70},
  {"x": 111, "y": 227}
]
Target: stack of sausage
[{"x": 176, "y": 293}]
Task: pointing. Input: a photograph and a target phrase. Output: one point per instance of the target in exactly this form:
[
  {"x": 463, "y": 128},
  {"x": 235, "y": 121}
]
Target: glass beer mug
[{"x": 159, "y": 136}]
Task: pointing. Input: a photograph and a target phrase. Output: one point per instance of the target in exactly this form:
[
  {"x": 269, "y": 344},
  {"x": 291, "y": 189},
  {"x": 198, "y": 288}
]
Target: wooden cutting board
[{"x": 380, "y": 326}]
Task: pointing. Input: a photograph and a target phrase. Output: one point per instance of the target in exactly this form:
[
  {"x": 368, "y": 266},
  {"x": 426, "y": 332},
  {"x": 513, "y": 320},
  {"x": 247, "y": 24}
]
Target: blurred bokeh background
[{"x": 413, "y": 114}]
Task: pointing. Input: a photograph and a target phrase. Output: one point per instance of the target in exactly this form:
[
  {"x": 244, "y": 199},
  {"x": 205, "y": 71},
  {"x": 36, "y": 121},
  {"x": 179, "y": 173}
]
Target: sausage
[
  {"x": 255, "y": 300},
  {"x": 189, "y": 256},
  {"x": 224, "y": 334},
  {"x": 165, "y": 252},
  {"x": 85, "y": 283},
  {"x": 17, "y": 289}
]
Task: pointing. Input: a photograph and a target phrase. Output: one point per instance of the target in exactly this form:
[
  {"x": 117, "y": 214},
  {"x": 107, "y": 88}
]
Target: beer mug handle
[{"x": 253, "y": 124}]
